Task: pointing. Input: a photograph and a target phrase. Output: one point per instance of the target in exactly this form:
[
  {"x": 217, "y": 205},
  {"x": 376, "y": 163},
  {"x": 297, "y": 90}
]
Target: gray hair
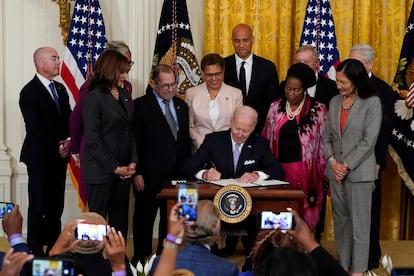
[
  {"x": 206, "y": 229},
  {"x": 366, "y": 50},
  {"x": 118, "y": 46},
  {"x": 308, "y": 48}
]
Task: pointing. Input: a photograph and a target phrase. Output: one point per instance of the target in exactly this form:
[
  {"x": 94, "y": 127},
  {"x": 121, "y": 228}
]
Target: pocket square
[{"x": 248, "y": 162}]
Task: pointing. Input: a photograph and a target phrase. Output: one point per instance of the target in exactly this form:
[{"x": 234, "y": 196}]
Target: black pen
[{"x": 212, "y": 165}]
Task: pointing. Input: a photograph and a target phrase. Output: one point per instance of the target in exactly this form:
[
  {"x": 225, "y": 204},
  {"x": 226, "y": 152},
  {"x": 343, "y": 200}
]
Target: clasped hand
[
  {"x": 340, "y": 170},
  {"x": 125, "y": 172}
]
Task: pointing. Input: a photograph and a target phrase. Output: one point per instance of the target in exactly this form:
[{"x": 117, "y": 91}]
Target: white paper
[{"x": 258, "y": 183}]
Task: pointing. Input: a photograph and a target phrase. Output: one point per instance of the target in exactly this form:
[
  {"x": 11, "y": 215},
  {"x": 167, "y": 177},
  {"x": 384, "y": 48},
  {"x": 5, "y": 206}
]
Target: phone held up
[
  {"x": 271, "y": 220},
  {"x": 52, "y": 267},
  {"x": 188, "y": 197},
  {"x": 6, "y": 207},
  {"x": 90, "y": 232}
]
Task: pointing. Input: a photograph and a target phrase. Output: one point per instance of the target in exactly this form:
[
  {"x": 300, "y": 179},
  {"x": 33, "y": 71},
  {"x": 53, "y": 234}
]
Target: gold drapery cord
[{"x": 277, "y": 27}]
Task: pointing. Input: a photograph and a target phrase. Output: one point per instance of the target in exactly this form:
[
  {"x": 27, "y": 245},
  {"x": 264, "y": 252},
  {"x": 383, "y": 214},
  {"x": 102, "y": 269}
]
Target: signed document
[{"x": 259, "y": 183}]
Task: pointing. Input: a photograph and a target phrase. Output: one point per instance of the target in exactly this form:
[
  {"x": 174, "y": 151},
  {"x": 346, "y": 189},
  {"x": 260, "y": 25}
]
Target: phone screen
[
  {"x": 271, "y": 220},
  {"x": 6, "y": 207},
  {"x": 403, "y": 271},
  {"x": 52, "y": 267},
  {"x": 90, "y": 232},
  {"x": 188, "y": 197}
]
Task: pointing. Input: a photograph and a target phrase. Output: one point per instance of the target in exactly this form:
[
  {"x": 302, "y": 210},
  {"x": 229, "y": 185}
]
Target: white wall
[{"x": 28, "y": 24}]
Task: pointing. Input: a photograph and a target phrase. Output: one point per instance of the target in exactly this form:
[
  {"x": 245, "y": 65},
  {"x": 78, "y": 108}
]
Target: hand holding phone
[
  {"x": 271, "y": 220},
  {"x": 188, "y": 197},
  {"x": 6, "y": 207}
]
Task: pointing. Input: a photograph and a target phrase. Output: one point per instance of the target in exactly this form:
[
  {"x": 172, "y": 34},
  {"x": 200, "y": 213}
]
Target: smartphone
[
  {"x": 271, "y": 220},
  {"x": 52, "y": 267},
  {"x": 90, "y": 231},
  {"x": 6, "y": 207},
  {"x": 408, "y": 271},
  {"x": 188, "y": 197}
]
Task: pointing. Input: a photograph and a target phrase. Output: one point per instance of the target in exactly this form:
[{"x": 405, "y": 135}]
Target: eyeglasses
[
  {"x": 212, "y": 75},
  {"x": 131, "y": 63},
  {"x": 295, "y": 91},
  {"x": 167, "y": 85}
]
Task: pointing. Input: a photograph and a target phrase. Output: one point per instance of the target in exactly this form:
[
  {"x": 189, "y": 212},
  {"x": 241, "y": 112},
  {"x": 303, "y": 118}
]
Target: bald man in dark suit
[
  {"x": 260, "y": 82},
  {"x": 44, "y": 104}
]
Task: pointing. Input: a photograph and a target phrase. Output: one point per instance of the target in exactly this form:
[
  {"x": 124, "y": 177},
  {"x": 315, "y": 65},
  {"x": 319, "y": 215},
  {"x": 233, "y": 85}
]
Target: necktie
[
  {"x": 170, "y": 118},
  {"x": 54, "y": 94},
  {"x": 242, "y": 79},
  {"x": 236, "y": 154}
]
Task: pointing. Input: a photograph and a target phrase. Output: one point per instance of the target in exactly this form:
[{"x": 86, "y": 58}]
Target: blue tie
[{"x": 55, "y": 97}]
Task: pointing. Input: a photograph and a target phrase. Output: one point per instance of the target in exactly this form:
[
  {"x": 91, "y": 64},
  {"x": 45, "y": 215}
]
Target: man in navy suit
[
  {"x": 255, "y": 161},
  {"x": 163, "y": 144},
  {"x": 259, "y": 83},
  {"x": 365, "y": 54},
  {"x": 44, "y": 104}
]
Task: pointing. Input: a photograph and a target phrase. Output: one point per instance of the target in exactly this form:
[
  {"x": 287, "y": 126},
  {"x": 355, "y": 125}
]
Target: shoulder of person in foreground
[{"x": 327, "y": 265}]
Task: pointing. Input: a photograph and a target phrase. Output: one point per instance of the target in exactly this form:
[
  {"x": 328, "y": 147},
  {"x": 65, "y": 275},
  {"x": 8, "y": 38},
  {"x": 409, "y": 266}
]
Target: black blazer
[
  {"x": 263, "y": 88},
  {"x": 45, "y": 126},
  {"x": 109, "y": 135},
  {"x": 385, "y": 93},
  {"x": 325, "y": 90},
  {"x": 159, "y": 154},
  {"x": 217, "y": 149}
]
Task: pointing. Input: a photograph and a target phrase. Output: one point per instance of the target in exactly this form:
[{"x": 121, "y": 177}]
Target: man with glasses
[
  {"x": 163, "y": 144},
  {"x": 255, "y": 76}
]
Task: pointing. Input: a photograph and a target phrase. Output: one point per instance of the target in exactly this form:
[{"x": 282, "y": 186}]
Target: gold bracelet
[{"x": 169, "y": 245}]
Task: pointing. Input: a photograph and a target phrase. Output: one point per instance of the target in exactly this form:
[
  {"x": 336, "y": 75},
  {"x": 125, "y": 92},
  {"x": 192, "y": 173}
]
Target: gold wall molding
[{"x": 65, "y": 16}]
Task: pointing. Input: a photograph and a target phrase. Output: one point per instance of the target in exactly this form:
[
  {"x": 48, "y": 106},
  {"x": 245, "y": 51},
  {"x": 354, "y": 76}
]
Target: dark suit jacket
[
  {"x": 20, "y": 247},
  {"x": 109, "y": 135},
  {"x": 325, "y": 90},
  {"x": 327, "y": 265},
  {"x": 263, "y": 88},
  {"x": 199, "y": 260},
  {"x": 159, "y": 154},
  {"x": 45, "y": 126},
  {"x": 217, "y": 149},
  {"x": 385, "y": 93}
]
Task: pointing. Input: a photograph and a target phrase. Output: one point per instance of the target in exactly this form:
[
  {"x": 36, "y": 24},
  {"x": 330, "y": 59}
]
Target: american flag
[
  {"x": 319, "y": 31},
  {"x": 86, "y": 41},
  {"x": 402, "y": 139}
]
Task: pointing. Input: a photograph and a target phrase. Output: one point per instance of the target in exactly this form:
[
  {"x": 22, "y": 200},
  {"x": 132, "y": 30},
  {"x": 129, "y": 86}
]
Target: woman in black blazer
[{"x": 109, "y": 158}]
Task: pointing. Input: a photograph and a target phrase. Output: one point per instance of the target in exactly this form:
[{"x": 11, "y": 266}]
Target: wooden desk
[{"x": 272, "y": 198}]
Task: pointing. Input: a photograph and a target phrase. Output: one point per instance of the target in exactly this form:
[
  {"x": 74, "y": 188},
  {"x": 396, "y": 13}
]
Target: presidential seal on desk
[{"x": 234, "y": 203}]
